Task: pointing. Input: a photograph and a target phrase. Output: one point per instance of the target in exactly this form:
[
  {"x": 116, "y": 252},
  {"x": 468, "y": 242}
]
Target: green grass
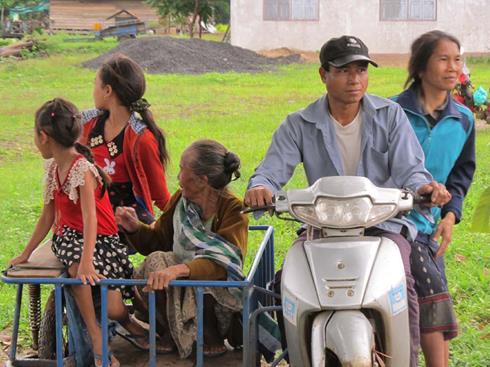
[{"x": 241, "y": 111}]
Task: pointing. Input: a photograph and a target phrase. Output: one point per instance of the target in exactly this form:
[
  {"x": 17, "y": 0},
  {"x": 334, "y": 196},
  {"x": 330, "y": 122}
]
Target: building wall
[
  {"x": 83, "y": 14},
  {"x": 467, "y": 20}
]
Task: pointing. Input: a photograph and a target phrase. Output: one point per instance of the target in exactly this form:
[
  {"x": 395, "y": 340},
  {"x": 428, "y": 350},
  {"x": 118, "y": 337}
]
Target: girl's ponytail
[
  {"x": 87, "y": 153},
  {"x": 147, "y": 117}
]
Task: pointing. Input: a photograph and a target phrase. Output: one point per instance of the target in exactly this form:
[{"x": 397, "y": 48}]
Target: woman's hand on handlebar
[
  {"x": 258, "y": 196},
  {"x": 438, "y": 192}
]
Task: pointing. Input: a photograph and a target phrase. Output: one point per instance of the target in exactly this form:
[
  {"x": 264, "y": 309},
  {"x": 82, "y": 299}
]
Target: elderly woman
[{"x": 201, "y": 235}]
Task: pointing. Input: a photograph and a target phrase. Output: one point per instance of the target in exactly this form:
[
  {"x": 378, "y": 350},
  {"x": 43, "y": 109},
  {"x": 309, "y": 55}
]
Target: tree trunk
[
  {"x": 194, "y": 17},
  {"x": 200, "y": 27},
  {"x": 2, "y": 26}
]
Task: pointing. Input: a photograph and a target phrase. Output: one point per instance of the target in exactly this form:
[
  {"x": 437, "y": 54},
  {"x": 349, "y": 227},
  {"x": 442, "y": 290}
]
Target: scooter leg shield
[{"x": 349, "y": 335}]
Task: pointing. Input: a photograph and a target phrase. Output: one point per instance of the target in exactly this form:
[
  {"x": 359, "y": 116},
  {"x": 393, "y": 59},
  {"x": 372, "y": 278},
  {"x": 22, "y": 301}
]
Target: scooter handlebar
[
  {"x": 425, "y": 200},
  {"x": 247, "y": 210}
]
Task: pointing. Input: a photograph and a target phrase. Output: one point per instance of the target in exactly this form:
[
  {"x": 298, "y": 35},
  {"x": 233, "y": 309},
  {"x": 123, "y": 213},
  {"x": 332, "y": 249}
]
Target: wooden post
[{"x": 226, "y": 36}]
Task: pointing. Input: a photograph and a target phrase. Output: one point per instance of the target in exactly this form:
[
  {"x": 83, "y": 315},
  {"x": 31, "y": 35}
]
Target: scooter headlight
[
  {"x": 381, "y": 212},
  {"x": 342, "y": 213}
]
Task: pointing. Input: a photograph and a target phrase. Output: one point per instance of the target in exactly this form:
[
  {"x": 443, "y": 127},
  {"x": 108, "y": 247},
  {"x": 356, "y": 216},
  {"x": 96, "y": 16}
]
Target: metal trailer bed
[{"x": 255, "y": 295}]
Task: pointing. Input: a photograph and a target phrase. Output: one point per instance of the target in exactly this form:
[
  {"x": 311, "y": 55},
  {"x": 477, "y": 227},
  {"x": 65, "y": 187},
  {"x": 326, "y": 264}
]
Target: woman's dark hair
[
  {"x": 422, "y": 49},
  {"x": 213, "y": 160},
  {"x": 127, "y": 80},
  {"x": 60, "y": 120}
]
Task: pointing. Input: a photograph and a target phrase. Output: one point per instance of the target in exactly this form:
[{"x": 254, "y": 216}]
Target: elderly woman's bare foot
[
  {"x": 214, "y": 350},
  {"x": 165, "y": 344},
  {"x": 213, "y": 343},
  {"x": 113, "y": 362}
]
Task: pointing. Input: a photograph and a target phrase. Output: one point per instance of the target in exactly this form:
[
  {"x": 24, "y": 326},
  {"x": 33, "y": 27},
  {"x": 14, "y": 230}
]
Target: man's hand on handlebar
[
  {"x": 438, "y": 192},
  {"x": 258, "y": 196}
]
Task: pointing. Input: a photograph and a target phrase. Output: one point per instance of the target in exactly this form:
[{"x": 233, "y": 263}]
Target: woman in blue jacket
[{"x": 446, "y": 131}]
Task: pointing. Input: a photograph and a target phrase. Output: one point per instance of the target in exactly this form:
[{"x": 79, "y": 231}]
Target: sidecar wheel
[{"x": 47, "y": 331}]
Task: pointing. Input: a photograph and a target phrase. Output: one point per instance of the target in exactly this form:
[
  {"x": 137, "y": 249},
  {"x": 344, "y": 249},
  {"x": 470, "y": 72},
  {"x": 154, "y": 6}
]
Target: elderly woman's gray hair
[{"x": 213, "y": 160}]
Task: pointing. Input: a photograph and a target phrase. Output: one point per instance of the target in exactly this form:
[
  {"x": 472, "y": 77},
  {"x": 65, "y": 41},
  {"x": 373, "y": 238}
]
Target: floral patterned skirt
[{"x": 110, "y": 257}]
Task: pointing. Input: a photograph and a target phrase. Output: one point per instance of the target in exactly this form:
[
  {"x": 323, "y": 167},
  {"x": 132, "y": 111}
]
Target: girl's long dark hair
[
  {"x": 60, "y": 120},
  {"x": 127, "y": 80}
]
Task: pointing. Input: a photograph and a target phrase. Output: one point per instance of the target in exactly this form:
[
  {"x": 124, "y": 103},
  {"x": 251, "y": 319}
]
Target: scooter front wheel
[{"x": 331, "y": 359}]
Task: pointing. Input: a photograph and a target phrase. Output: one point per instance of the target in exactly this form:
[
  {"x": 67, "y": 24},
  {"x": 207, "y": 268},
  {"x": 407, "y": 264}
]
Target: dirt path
[{"x": 129, "y": 356}]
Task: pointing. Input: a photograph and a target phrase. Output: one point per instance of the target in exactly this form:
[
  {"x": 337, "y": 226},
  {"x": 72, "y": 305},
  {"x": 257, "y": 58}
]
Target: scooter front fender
[{"x": 348, "y": 334}]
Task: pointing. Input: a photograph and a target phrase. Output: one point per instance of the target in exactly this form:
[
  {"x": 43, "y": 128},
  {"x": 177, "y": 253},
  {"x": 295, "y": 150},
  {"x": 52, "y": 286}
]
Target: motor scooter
[{"x": 343, "y": 294}]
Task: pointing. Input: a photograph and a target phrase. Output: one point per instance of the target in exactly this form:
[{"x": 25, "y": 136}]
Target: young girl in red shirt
[
  {"x": 125, "y": 140},
  {"x": 77, "y": 209}
]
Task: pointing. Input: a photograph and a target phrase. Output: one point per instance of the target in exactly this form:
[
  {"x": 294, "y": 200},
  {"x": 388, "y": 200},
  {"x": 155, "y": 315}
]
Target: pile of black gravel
[{"x": 159, "y": 55}]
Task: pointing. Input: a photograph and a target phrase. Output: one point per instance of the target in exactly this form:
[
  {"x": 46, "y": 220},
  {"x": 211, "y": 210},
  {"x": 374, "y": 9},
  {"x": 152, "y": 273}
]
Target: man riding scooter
[{"x": 348, "y": 132}]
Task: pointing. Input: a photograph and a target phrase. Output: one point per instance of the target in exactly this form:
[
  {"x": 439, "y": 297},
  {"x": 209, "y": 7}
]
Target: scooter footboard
[{"x": 347, "y": 334}]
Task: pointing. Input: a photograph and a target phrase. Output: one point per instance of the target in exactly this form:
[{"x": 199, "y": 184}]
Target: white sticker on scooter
[
  {"x": 398, "y": 299},
  {"x": 290, "y": 310}
]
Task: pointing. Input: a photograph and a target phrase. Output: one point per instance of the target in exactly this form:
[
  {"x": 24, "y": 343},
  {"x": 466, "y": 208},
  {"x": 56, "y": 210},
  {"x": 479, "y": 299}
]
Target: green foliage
[
  {"x": 207, "y": 9},
  {"x": 221, "y": 11},
  {"x": 181, "y": 8},
  {"x": 64, "y": 43},
  {"x": 481, "y": 217},
  {"x": 61, "y": 43},
  {"x": 479, "y": 59},
  {"x": 13, "y": 3},
  {"x": 173, "y": 8},
  {"x": 6, "y": 41},
  {"x": 220, "y": 27},
  {"x": 9, "y": 3}
]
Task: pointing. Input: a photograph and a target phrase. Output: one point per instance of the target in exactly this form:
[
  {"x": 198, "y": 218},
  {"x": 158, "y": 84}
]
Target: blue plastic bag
[{"x": 480, "y": 96}]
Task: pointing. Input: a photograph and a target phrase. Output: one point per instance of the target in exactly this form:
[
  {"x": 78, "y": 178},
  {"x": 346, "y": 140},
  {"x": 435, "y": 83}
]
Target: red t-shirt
[{"x": 66, "y": 196}]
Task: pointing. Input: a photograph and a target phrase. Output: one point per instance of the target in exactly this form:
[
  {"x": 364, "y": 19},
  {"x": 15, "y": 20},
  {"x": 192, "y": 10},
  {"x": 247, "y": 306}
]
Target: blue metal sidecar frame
[{"x": 254, "y": 294}]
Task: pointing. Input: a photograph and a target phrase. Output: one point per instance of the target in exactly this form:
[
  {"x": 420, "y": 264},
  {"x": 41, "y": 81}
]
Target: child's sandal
[{"x": 112, "y": 363}]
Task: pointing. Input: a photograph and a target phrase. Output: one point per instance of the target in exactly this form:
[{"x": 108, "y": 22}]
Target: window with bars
[
  {"x": 291, "y": 9},
  {"x": 408, "y": 9}
]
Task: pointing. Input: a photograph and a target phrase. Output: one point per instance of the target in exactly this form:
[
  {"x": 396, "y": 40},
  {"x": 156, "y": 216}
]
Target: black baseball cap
[{"x": 344, "y": 50}]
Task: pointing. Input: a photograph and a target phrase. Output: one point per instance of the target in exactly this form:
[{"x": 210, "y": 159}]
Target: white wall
[{"x": 468, "y": 20}]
